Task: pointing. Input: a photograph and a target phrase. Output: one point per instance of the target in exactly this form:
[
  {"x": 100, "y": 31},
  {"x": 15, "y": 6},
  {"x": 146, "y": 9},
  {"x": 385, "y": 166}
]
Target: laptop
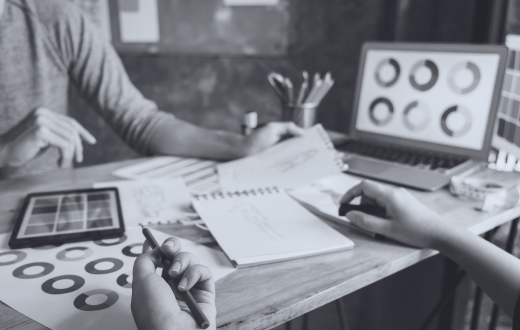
[{"x": 423, "y": 112}]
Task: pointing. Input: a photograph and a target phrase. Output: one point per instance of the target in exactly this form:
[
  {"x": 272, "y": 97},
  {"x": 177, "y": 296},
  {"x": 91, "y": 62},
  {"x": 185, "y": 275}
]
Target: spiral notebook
[
  {"x": 261, "y": 226},
  {"x": 289, "y": 164}
]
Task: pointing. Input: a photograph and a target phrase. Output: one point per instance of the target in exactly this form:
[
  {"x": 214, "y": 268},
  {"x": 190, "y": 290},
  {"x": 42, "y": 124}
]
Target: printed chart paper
[
  {"x": 152, "y": 201},
  {"x": 200, "y": 176},
  {"x": 139, "y": 21},
  {"x": 84, "y": 285},
  {"x": 288, "y": 164}
]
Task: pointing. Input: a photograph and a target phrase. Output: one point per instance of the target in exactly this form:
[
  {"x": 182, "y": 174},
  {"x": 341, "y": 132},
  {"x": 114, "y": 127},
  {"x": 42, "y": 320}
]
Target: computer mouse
[{"x": 374, "y": 210}]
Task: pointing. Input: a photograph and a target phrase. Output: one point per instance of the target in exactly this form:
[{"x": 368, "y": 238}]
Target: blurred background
[{"x": 209, "y": 66}]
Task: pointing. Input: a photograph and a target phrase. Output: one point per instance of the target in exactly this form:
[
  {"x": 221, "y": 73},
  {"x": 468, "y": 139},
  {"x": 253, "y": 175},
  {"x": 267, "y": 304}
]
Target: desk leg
[
  {"x": 340, "y": 305},
  {"x": 509, "y": 249},
  {"x": 477, "y": 299}
]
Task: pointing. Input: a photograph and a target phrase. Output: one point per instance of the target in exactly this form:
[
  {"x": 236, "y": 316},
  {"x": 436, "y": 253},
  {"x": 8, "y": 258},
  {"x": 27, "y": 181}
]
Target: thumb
[{"x": 368, "y": 222}]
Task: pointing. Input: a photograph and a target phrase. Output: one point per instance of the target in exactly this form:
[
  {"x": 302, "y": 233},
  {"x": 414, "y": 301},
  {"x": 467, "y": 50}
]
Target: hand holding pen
[{"x": 158, "y": 305}]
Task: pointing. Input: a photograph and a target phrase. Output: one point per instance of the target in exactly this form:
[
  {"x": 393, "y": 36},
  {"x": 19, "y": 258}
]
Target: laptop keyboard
[{"x": 424, "y": 159}]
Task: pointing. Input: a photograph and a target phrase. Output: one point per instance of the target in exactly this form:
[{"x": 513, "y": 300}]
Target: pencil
[{"x": 197, "y": 313}]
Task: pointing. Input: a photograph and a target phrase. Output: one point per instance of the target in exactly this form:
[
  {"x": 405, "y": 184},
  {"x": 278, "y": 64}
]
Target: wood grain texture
[{"x": 265, "y": 296}]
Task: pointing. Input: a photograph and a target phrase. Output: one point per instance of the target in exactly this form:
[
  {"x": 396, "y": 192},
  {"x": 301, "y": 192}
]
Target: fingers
[
  {"x": 197, "y": 275},
  {"x": 146, "y": 264},
  {"x": 369, "y": 189},
  {"x": 369, "y": 222},
  {"x": 181, "y": 262},
  {"x": 292, "y": 129},
  {"x": 66, "y": 149},
  {"x": 170, "y": 247}
]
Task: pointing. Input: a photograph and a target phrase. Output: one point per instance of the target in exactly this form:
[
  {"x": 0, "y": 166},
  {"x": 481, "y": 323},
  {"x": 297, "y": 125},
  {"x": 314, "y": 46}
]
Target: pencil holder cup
[{"x": 303, "y": 115}]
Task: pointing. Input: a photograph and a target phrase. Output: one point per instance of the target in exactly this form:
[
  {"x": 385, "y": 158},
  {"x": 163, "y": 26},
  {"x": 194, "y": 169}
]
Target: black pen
[{"x": 197, "y": 313}]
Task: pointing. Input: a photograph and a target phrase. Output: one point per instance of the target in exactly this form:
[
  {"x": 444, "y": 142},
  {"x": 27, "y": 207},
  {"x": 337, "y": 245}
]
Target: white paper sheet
[
  {"x": 266, "y": 226},
  {"x": 152, "y": 201},
  {"x": 323, "y": 196},
  {"x": 200, "y": 176},
  {"x": 289, "y": 164},
  {"x": 58, "y": 311},
  {"x": 138, "y": 21}
]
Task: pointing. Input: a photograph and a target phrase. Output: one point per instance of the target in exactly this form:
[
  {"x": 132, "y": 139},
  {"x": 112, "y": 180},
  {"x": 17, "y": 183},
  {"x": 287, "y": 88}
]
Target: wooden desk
[{"x": 265, "y": 296}]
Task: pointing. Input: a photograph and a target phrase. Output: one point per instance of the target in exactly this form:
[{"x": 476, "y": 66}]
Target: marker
[{"x": 195, "y": 310}]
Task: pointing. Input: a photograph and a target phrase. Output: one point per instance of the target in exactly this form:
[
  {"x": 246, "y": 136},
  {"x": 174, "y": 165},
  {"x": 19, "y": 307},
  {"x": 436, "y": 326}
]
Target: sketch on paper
[
  {"x": 151, "y": 200},
  {"x": 281, "y": 166},
  {"x": 252, "y": 214}
]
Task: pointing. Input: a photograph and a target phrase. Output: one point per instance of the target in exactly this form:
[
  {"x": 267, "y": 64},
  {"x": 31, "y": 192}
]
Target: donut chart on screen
[
  {"x": 81, "y": 301},
  {"x": 62, "y": 255},
  {"x": 433, "y": 78},
  {"x": 467, "y": 123},
  {"x": 118, "y": 241},
  {"x": 389, "y": 108},
  {"x": 127, "y": 250},
  {"x": 116, "y": 265},
  {"x": 416, "y": 106},
  {"x": 475, "y": 71},
  {"x": 397, "y": 72},
  {"x": 122, "y": 280},
  {"x": 47, "y": 269},
  {"x": 48, "y": 287},
  {"x": 19, "y": 256}
]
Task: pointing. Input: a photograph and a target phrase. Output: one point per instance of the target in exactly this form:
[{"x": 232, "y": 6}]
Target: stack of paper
[{"x": 289, "y": 164}]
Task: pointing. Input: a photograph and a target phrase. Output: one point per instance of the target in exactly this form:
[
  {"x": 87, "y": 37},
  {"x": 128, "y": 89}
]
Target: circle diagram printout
[
  {"x": 63, "y": 284},
  {"x": 11, "y": 257},
  {"x": 387, "y": 72},
  {"x": 97, "y": 266},
  {"x": 381, "y": 111},
  {"x": 434, "y": 75},
  {"x": 464, "y": 77},
  {"x": 456, "y": 121},
  {"x": 33, "y": 270},
  {"x": 74, "y": 253},
  {"x": 416, "y": 116},
  {"x": 95, "y": 300}
]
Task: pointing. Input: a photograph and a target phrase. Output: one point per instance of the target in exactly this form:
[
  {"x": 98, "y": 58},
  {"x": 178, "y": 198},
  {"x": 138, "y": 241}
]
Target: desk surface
[{"x": 265, "y": 296}]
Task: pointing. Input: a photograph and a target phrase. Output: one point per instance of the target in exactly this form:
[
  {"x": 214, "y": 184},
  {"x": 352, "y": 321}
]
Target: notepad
[
  {"x": 261, "y": 226},
  {"x": 289, "y": 164}
]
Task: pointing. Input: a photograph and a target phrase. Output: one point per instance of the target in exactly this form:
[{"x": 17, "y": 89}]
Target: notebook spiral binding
[
  {"x": 330, "y": 146},
  {"x": 232, "y": 194}
]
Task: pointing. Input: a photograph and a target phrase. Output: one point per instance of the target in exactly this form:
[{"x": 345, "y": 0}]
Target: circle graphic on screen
[
  {"x": 383, "y": 64},
  {"x": 127, "y": 251},
  {"x": 18, "y": 256},
  {"x": 62, "y": 255},
  {"x": 124, "y": 281},
  {"x": 81, "y": 301},
  {"x": 47, "y": 247},
  {"x": 48, "y": 286},
  {"x": 20, "y": 271},
  {"x": 381, "y": 111},
  {"x": 116, "y": 265},
  {"x": 433, "y": 77},
  {"x": 463, "y": 129},
  {"x": 416, "y": 116},
  {"x": 109, "y": 242},
  {"x": 459, "y": 70}
]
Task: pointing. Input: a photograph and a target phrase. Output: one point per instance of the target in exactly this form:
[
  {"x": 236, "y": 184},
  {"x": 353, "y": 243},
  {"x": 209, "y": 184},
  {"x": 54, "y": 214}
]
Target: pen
[
  {"x": 290, "y": 91},
  {"x": 195, "y": 310},
  {"x": 303, "y": 88}
]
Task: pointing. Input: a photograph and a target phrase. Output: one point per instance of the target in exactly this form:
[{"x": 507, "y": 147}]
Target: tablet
[{"x": 68, "y": 216}]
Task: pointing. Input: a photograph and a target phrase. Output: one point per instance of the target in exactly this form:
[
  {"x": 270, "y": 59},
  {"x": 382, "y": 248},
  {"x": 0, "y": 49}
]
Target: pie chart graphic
[
  {"x": 458, "y": 71},
  {"x": 433, "y": 77},
  {"x": 18, "y": 256},
  {"x": 381, "y": 111},
  {"x": 110, "y": 242},
  {"x": 85, "y": 253},
  {"x": 383, "y": 64},
  {"x": 416, "y": 116},
  {"x": 81, "y": 301},
  {"x": 461, "y": 112},
  {"x": 44, "y": 268},
  {"x": 116, "y": 265},
  {"x": 77, "y": 282},
  {"x": 124, "y": 281}
]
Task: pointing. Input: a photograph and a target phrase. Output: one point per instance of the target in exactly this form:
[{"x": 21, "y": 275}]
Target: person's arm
[
  {"x": 100, "y": 77},
  {"x": 409, "y": 221},
  {"x": 154, "y": 305}
]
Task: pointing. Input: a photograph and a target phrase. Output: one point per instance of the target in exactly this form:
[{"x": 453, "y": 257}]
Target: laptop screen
[{"x": 438, "y": 97}]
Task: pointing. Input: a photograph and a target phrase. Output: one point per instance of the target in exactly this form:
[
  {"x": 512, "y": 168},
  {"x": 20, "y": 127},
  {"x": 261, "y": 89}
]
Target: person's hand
[
  {"x": 268, "y": 135},
  {"x": 408, "y": 220},
  {"x": 44, "y": 128},
  {"x": 154, "y": 305}
]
